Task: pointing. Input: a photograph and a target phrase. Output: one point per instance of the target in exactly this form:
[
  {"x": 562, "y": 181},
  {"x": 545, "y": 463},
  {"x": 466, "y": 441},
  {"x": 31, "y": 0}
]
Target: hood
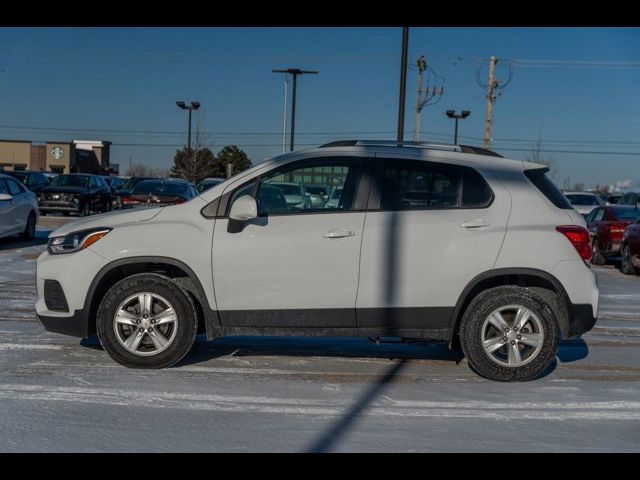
[
  {"x": 112, "y": 219},
  {"x": 56, "y": 189}
]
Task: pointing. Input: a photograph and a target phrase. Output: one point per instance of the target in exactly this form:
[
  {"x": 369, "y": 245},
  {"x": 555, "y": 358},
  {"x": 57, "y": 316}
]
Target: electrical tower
[
  {"x": 494, "y": 90},
  {"x": 432, "y": 95}
]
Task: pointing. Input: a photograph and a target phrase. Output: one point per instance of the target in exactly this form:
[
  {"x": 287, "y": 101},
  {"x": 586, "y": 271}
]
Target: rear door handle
[
  {"x": 339, "y": 233},
  {"x": 476, "y": 223}
]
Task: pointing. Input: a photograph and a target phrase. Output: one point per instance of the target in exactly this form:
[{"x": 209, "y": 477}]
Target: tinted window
[
  {"x": 599, "y": 215},
  {"x": 475, "y": 191},
  {"x": 148, "y": 187},
  {"x": 21, "y": 177},
  {"x": 626, "y": 213},
  {"x": 70, "y": 181},
  {"x": 580, "y": 199},
  {"x": 3, "y": 186},
  {"x": 14, "y": 187},
  {"x": 539, "y": 178},
  {"x": 416, "y": 184}
]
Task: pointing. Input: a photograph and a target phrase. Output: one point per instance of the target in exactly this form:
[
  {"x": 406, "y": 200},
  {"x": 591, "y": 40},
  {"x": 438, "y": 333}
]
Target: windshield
[
  {"x": 626, "y": 213},
  {"x": 70, "y": 181},
  {"x": 576, "y": 199},
  {"x": 151, "y": 187},
  {"x": 22, "y": 176}
]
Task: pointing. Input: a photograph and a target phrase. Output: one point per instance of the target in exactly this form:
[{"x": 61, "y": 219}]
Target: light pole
[
  {"x": 403, "y": 82},
  {"x": 294, "y": 73},
  {"x": 193, "y": 106},
  {"x": 452, "y": 114}
]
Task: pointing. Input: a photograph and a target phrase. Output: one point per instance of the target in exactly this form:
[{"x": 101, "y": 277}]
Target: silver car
[{"x": 18, "y": 209}]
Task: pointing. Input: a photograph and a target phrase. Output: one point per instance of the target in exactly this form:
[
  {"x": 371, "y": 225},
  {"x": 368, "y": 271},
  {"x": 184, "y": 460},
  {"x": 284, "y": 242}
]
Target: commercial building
[{"x": 78, "y": 156}]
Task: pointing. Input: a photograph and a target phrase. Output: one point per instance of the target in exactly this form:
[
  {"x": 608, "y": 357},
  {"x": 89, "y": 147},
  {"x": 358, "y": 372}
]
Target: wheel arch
[
  {"x": 117, "y": 270},
  {"x": 539, "y": 281}
]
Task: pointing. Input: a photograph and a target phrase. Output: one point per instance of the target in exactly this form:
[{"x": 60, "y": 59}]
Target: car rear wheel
[
  {"x": 627, "y": 265},
  {"x": 147, "y": 321},
  {"x": 596, "y": 255},
  {"x": 29, "y": 232},
  {"x": 509, "y": 334}
]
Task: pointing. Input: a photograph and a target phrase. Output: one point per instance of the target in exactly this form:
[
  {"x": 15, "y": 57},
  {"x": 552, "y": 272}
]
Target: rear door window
[{"x": 539, "y": 178}]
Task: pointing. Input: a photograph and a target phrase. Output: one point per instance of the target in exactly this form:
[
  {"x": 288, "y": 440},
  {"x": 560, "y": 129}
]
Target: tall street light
[
  {"x": 193, "y": 106},
  {"x": 452, "y": 114},
  {"x": 294, "y": 72}
]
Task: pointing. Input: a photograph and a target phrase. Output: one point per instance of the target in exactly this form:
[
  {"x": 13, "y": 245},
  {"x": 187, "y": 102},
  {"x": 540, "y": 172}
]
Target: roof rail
[{"x": 434, "y": 146}]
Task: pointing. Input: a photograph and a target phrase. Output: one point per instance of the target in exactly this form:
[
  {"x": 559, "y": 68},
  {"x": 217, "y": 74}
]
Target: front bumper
[
  {"x": 74, "y": 272},
  {"x": 50, "y": 206},
  {"x": 76, "y": 325}
]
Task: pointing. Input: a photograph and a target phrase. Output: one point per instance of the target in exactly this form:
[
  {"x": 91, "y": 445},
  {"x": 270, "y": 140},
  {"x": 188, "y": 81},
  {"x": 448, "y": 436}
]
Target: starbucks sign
[{"x": 57, "y": 153}]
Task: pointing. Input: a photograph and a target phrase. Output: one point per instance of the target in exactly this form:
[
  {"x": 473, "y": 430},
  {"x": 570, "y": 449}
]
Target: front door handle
[
  {"x": 339, "y": 233},
  {"x": 476, "y": 223}
]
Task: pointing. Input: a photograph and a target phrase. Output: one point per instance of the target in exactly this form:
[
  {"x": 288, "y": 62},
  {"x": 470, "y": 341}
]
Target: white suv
[{"x": 425, "y": 241}]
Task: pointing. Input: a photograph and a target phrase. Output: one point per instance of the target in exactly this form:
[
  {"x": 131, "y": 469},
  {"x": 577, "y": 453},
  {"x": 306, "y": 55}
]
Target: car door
[
  {"x": 7, "y": 208},
  {"x": 21, "y": 206},
  {"x": 294, "y": 265},
  {"x": 430, "y": 228}
]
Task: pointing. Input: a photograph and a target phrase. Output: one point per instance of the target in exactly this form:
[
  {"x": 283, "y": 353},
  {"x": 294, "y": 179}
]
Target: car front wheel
[
  {"x": 147, "y": 320},
  {"x": 509, "y": 334},
  {"x": 627, "y": 265}
]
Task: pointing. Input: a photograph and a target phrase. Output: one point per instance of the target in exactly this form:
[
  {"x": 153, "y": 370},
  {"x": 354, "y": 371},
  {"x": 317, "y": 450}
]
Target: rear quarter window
[{"x": 539, "y": 178}]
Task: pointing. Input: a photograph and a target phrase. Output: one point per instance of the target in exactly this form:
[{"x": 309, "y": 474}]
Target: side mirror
[
  {"x": 244, "y": 208},
  {"x": 5, "y": 197}
]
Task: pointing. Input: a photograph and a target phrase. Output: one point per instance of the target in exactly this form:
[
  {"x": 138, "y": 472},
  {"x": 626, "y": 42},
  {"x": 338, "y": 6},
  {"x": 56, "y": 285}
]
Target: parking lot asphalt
[{"x": 59, "y": 393}]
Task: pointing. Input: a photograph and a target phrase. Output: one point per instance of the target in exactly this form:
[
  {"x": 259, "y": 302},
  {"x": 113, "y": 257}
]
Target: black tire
[
  {"x": 85, "y": 211},
  {"x": 597, "y": 258},
  {"x": 180, "y": 300},
  {"x": 626, "y": 266},
  {"x": 471, "y": 334},
  {"x": 29, "y": 232}
]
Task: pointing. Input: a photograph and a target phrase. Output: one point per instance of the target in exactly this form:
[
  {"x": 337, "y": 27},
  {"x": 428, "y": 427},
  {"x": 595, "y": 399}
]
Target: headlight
[{"x": 76, "y": 241}]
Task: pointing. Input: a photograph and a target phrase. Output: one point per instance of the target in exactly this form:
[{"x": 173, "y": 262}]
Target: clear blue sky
[{"x": 118, "y": 84}]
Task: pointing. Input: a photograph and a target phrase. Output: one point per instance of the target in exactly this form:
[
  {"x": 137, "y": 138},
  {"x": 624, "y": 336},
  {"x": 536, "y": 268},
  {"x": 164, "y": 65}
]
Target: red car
[
  {"x": 631, "y": 249},
  {"x": 606, "y": 227}
]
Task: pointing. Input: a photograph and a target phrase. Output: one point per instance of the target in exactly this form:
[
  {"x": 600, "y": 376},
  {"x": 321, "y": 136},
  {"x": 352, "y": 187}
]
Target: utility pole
[
  {"x": 429, "y": 94},
  {"x": 294, "y": 73},
  {"x": 422, "y": 66},
  {"x": 284, "y": 114},
  {"x": 403, "y": 82},
  {"x": 490, "y": 99}
]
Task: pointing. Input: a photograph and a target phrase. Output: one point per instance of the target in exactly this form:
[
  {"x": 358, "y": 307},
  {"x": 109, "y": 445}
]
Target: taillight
[
  {"x": 617, "y": 227},
  {"x": 179, "y": 200},
  {"x": 128, "y": 200},
  {"x": 579, "y": 238}
]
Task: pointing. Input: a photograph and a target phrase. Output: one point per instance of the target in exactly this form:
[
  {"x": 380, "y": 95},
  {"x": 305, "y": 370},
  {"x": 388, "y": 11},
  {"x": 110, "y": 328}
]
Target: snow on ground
[{"x": 58, "y": 393}]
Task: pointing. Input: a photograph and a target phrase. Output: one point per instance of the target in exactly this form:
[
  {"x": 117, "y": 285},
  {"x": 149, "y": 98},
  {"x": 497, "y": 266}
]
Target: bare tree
[
  {"x": 141, "y": 170},
  {"x": 537, "y": 157}
]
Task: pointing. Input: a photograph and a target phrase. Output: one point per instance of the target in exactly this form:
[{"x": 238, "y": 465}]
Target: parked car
[
  {"x": 18, "y": 209},
  {"x": 630, "y": 250},
  {"x": 115, "y": 183},
  {"x": 208, "y": 183},
  {"x": 630, "y": 198},
  {"x": 34, "y": 181},
  {"x": 295, "y": 195},
  {"x": 160, "y": 192},
  {"x": 317, "y": 195},
  {"x": 606, "y": 226},
  {"x": 611, "y": 199},
  {"x": 75, "y": 193},
  {"x": 231, "y": 263},
  {"x": 125, "y": 191},
  {"x": 584, "y": 202}
]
